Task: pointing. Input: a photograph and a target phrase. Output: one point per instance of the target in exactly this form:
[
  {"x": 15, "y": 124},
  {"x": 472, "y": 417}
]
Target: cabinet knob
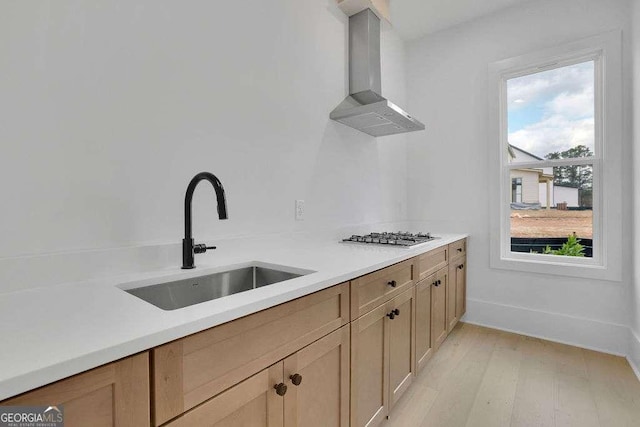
[
  {"x": 296, "y": 379},
  {"x": 281, "y": 389},
  {"x": 392, "y": 315},
  {"x": 392, "y": 283},
  {"x": 461, "y": 266},
  {"x": 437, "y": 283},
  {"x": 459, "y": 249}
]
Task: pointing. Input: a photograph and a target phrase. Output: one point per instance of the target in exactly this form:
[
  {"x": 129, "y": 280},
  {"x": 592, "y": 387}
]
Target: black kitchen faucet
[{"x": 188, "y": 247}]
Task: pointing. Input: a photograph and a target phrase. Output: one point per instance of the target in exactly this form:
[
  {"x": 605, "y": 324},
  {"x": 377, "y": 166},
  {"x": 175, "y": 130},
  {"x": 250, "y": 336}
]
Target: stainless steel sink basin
[{"x": 186, "y": 292}]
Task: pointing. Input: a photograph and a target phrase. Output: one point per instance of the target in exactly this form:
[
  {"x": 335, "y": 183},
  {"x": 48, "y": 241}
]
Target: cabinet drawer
[
  {"x": 457, "y": 249},
  {"x": 371, "y": 290},
  {"x": 191, "y": 370},
  {"x": 432, "y": 261},
  {"x": 252, "y": 402}
]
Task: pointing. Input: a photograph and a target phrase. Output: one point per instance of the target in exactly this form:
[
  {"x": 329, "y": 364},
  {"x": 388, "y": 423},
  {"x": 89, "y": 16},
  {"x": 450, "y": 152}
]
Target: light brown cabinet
[
  {"x": 439, "y": 324},
  {"x": 456, "y": 291},
  {"x": 401, "y": 345},
  {"x": 432, "y": 261},
  {"x": 382, "y": 358},
  {"x": 424, "y": 351},
  {"x": 193, "y": 369},
  {"x": 253, "y": 402},
  {"x": 371, "y": 290},
  {"x": 321, "y": 370},
  {"x": 113, "y": 394},
  {"x": 309, "y": 388}
]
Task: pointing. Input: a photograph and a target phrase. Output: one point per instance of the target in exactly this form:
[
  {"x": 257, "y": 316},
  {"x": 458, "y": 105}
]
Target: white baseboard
[
  {"x": 580, "y": 332},
  {"x": 634, "y": 352}
]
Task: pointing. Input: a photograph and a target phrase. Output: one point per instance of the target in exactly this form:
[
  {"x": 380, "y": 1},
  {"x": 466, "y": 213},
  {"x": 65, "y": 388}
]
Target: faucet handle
[{"x": 201, "y": 248}]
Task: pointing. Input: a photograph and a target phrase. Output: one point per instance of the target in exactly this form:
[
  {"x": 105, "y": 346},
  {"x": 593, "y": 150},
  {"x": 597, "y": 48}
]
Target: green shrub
[{"x": 571, "y": 247}]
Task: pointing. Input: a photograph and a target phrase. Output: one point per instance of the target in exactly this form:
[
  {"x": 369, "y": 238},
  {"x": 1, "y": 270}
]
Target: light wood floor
[{"x": 488, "y": 378}]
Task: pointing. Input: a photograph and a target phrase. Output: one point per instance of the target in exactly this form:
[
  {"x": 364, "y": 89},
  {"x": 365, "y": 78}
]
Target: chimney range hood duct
[{"x": 365, "y": 109}]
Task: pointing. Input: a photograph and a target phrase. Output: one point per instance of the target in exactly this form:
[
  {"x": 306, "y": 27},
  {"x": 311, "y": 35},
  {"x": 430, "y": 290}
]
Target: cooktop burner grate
[{"x": 400, "y": 238}]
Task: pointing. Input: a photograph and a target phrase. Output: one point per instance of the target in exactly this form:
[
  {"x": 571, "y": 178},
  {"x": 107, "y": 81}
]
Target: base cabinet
[
  {"x": 321, "y": 372},
  {"x": 116, "y": 394},
  {"x": 439, "y": 324},
  {"x": 309, "y": 388},
  {"x": 457, "y": 294},
  {"x": 382, "y": 359},
  {"x": 192, "y": 370},
  {"x": 424, "y": 351}
]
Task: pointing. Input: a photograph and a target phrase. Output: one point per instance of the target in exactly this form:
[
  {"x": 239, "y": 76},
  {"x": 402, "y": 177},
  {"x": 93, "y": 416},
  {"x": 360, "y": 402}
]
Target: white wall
[
  {"x": 447, "y": 73},
  {"x": 107, "y": 109},
  {"x": 634, "y": 339}
]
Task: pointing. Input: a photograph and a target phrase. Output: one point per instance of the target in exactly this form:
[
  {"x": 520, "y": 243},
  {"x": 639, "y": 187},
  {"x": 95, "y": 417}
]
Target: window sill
[{"x": 559, "y": 268}]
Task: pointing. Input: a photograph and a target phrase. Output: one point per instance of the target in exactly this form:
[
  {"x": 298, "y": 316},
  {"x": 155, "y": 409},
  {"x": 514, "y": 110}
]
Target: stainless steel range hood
[{"x": 365, "y": 109}]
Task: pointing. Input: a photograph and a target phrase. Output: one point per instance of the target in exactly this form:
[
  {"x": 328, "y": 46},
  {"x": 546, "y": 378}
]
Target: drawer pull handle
[
  {"x": 459, "y": 249},
  {"x": 461, "y": 266},
  {"x": 281, "y": 389},
  {"x": 393, "y": 314},
  {"x": 296, "y": 379},
  {"x": 392, "y": 283}
]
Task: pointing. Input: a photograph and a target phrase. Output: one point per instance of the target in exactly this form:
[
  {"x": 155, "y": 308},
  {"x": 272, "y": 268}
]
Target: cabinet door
[
  {"x": 460, "y": 267},
  {"x": 254, "y": 402},
  {"x": 116, "y": 394},
  {"x": 452, "y": 297},
  {"x": 439, "y": 308},
  {"x": 401, "y": 344},
  {"x": 423, "y": 322},
  {"x": 369, "y": 368},
  {"x": 321, "y": 372}
]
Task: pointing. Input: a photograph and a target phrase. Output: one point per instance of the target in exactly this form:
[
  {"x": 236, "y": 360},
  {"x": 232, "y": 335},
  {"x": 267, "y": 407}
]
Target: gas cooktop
[{"x": 400, "y": 238}]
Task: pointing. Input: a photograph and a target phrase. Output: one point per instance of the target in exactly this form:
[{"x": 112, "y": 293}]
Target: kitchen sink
[{"x": 185, "y": 292}]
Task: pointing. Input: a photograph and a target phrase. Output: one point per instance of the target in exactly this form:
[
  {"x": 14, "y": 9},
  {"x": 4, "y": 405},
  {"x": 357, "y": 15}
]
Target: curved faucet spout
[{"x": 188, "y": 247}]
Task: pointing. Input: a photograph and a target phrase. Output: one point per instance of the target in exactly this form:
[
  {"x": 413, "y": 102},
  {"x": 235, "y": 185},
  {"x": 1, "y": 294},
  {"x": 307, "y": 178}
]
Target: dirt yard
[{"x": 551, "y": 223}]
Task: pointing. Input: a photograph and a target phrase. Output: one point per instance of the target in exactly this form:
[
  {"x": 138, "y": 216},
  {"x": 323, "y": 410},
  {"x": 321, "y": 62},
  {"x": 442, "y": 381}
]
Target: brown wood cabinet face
[
  {"x": 460, "y": 281},
  {"x": 432, "y": 261},
  {"x": 439, "y": 308},
  {"x": 452, "y": 317},
  {"x": 382, "y": 359},
  {"x": 191, "y": 370},
  {"x": 371, "y": 290},
  {"x": 369, "y": 368},
  {"x": 321, "y": 399},
  {"x": 401, "y": 345},
  {"x": 423, "y": 322},
  {"x": 457, "y": 249},
  {"x": 254, "y": 402},
  {"x": 113, "y": 394}
]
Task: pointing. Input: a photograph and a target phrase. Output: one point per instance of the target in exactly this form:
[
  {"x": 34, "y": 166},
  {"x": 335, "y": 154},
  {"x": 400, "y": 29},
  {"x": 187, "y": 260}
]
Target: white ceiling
[{"x": 416, "y": 18}]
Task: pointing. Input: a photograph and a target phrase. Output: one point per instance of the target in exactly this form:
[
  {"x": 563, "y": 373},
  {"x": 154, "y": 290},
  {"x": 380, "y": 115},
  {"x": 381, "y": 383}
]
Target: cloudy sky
[{"x": 552, "y": 110}]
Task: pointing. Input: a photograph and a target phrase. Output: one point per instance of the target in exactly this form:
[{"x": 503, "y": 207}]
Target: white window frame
[{"x": 606, "y": 52}]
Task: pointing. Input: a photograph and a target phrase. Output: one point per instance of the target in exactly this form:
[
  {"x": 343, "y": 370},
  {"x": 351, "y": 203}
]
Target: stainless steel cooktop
[{"x": 400, "y": 238}]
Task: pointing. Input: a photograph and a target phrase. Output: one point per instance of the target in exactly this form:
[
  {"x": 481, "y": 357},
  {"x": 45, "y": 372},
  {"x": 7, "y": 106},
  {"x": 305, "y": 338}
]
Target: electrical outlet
[{"x": 299, "y": 210}]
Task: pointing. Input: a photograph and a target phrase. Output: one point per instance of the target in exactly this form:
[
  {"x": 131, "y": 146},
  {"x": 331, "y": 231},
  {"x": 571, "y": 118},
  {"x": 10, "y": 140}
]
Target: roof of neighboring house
[{"x": 513, "y": 147}]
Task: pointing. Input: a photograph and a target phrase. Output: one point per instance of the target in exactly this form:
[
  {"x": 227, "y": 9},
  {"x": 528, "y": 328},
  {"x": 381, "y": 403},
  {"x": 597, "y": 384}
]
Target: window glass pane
[
  {"x": 549, "y": 205},
  {"x": 551, "y": 114}
]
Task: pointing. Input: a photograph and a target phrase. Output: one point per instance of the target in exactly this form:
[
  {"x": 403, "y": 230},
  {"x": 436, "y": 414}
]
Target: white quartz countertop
[{"x": 50, "y": 333}]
